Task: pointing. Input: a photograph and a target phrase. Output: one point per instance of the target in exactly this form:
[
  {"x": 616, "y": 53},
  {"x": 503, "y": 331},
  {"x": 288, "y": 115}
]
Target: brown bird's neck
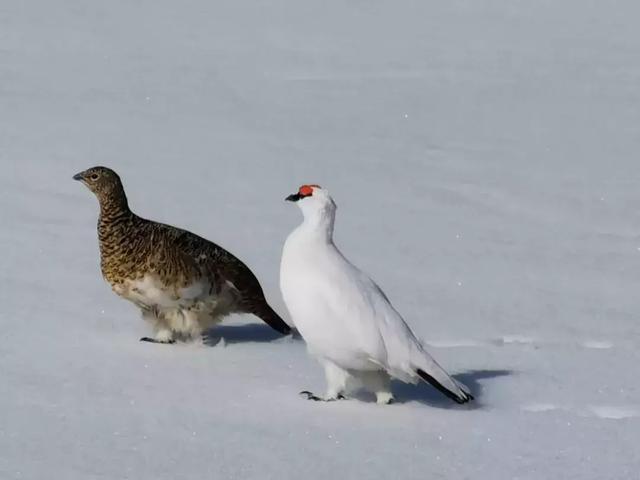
[
  {"x": 116, "y": 229},
  {"x": 115, "y": 214}
]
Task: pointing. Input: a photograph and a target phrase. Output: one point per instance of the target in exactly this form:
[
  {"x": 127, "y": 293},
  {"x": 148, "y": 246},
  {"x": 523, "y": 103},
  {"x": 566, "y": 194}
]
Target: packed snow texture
[{"x": 484, "y": 158}]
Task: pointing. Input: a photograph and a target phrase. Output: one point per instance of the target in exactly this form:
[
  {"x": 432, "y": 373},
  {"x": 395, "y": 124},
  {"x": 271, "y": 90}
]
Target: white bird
[{"x": 346, "y": 320}]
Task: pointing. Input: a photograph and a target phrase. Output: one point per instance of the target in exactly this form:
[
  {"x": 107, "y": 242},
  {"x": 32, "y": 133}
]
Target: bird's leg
[
  {"x": 384, "y": 398},
  {"x": 163, "y": 334},
  {"x": 337, "y": 379},
  {"x": 379, "y": 383},
  {"x": 336, "y": 383}
]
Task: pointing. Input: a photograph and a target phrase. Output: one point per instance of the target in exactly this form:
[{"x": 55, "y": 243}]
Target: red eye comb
[{"x": 307, "y": 190}]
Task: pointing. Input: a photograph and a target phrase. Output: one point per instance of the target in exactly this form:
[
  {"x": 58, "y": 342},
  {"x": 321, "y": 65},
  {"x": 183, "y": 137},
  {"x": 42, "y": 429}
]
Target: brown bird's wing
[
  {"x": 252, "y": 296},
  {"x": 172, "y": 263},
  {"x": 221, "y": 266}
]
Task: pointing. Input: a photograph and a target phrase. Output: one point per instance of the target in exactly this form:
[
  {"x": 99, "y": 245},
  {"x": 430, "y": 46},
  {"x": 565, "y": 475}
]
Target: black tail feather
[
  {"x": 438, "y": 386},
  {"x": 271, "y": 318}
]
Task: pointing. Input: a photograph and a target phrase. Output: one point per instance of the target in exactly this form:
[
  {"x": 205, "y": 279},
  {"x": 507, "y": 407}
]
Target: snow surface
[{"x": 484, "y": 157}]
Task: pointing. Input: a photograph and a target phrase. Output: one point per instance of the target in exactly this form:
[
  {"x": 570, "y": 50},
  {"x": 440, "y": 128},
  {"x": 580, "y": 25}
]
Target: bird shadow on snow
[
  {"x": 245, "y": 333},
  {"x": 428, "y": 395}
]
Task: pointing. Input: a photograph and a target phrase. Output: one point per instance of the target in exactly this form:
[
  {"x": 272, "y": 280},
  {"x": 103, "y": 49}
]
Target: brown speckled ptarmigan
[{"x": 183, "y": 283}]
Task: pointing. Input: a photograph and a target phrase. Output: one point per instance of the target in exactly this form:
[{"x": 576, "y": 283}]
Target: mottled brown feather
[{"x": 132, "y": 247}]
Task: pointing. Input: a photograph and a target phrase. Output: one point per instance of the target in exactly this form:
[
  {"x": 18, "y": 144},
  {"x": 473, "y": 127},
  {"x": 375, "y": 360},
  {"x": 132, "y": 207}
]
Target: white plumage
[{"x": 346, "y": 320}]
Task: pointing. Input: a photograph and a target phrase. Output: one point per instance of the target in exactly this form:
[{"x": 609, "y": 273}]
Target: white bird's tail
[{"x": 432, "y": 373}]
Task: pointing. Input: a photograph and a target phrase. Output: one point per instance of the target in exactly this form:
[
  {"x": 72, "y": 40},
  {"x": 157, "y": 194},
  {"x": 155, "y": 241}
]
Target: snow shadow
[
  {"x": 428, "y": 395},
  {"x": 245, "y": 333}
]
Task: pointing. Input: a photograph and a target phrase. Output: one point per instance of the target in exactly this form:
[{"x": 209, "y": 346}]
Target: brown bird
[{"x": 182, "y": 283}]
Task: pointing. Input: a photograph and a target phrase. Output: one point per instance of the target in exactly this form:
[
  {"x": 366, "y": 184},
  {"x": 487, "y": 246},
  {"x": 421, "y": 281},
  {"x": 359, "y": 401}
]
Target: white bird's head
[{"x": 316, "y": 204}]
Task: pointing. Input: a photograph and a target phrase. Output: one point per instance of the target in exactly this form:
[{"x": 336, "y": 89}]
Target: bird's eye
[{"x": 94, "y": 176}]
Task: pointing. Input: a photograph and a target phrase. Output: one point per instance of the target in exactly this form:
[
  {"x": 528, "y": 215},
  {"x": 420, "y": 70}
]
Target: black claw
[
  {"x": 311, "y": 396},
  {"x": 315, "y": 398},
  {"x": 153, "y": 340}
]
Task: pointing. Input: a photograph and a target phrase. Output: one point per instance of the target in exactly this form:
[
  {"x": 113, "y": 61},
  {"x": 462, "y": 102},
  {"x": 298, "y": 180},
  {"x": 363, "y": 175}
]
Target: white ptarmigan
[{"x": 347, "y": 321}]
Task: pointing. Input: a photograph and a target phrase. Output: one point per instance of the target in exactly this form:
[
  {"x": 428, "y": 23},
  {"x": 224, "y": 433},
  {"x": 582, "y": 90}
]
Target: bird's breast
[
  {"x": 150, "y": 291},
  {"x": 331, "y": 307}
]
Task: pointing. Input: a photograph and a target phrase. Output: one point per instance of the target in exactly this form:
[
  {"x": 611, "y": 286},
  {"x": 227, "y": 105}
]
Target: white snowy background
[{"x": 485, "y": 159}]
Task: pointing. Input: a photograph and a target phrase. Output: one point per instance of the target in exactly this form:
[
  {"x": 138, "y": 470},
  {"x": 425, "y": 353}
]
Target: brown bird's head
[{"x": 102, "y": 181}]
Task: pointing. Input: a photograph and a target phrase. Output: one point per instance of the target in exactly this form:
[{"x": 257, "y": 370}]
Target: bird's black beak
[
  {"x": 294, "y": 197},
  {"x": 78, "y": 176}
]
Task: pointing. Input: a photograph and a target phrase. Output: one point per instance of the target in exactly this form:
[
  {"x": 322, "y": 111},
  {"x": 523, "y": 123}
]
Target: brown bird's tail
[{"x": 271, "y": 318}]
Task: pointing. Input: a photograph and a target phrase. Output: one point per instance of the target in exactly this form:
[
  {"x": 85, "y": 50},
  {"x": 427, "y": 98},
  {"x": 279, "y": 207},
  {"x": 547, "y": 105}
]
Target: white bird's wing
[{"x": 386, "y": 338}]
